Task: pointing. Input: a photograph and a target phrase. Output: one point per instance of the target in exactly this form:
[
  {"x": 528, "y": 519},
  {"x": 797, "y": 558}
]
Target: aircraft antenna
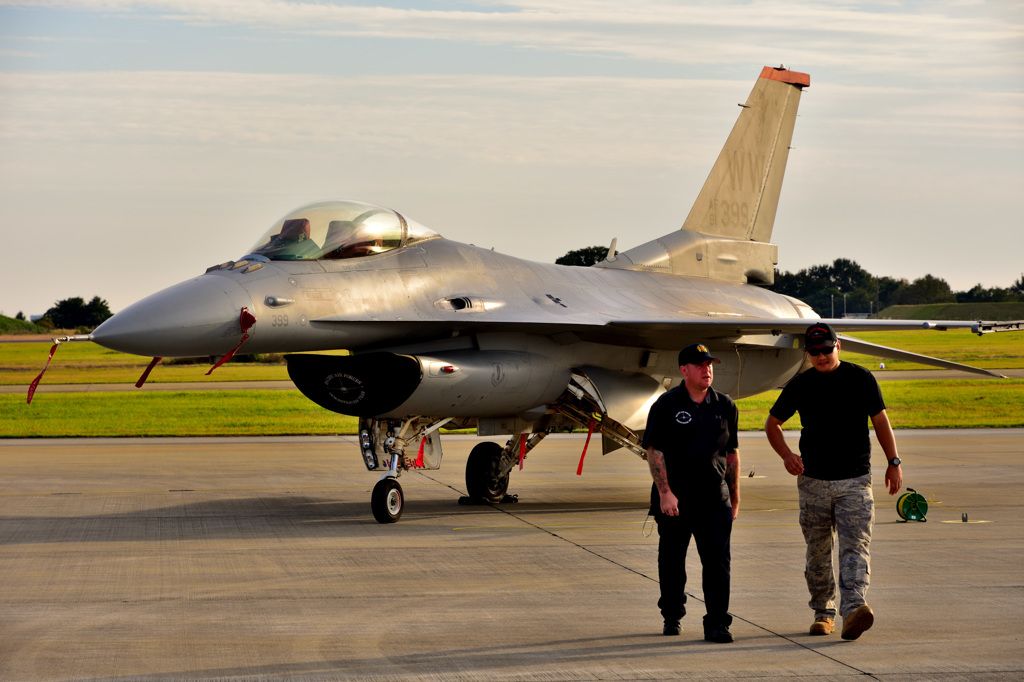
[{"x": 611, "y": 249}]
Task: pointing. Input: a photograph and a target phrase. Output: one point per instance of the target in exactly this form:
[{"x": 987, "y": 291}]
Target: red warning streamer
[
  {"x": 35, "y": 382},
  {"x": 246, "y": 320},
  {"x": 145, "y": 375},
  {"x": 522, "y": 450},
  {"x": 419, "y": 457},
  {"x": 579, "y": 469}
]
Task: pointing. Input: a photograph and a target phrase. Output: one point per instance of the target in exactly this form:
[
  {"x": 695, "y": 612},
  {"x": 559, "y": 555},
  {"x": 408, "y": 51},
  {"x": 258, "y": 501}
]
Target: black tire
[
  {"x": 387, "y": 501},
  {"x": 482, "y": 480}
]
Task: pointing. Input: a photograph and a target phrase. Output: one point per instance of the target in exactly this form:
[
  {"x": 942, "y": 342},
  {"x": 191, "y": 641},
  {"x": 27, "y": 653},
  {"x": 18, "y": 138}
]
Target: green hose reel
[{"x": 911, "y": 506}]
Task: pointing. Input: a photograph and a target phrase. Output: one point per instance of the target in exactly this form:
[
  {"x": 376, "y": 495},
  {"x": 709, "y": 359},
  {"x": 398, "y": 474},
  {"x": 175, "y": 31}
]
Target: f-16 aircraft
[{"x": 449, "y": 335}]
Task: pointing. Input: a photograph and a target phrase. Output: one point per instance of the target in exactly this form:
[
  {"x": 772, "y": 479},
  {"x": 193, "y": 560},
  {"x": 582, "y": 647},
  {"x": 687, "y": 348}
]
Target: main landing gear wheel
[
  {"x": 482, "y": 479},
  {"x": 387, "y": 500}
]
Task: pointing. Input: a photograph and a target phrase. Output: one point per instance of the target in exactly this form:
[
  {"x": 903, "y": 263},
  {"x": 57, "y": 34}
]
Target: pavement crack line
[{"x": 645, "y": 576}]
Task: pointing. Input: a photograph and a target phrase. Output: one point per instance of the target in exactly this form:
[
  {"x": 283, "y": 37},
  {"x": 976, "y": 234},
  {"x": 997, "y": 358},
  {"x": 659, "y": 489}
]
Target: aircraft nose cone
[{"x": 195, "y": 318}]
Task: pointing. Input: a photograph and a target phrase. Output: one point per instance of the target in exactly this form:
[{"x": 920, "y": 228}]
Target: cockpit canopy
[{"x": 332, "y": 230}]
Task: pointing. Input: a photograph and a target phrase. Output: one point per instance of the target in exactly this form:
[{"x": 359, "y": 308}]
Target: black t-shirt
[
  {"x": 695, "y": 439},
  {"x": 834, "y": 409}
]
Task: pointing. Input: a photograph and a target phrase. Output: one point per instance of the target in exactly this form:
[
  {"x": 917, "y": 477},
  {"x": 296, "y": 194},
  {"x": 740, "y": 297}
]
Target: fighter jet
[{"x": 449, "y": 335}]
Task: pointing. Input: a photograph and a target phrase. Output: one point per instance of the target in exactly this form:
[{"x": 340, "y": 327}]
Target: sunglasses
[{"x": 815, "y": 352}]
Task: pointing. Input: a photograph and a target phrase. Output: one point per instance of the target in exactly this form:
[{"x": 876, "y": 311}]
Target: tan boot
[
  {"x": 858, "y": 622},
  {"x": 823, "y": 625}
]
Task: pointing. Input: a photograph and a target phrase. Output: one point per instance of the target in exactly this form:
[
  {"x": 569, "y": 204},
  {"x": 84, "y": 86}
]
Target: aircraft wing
[
  {"x": 741, "y": 325},
  {"x": 715, "y": 328},
  {"x": 858, "y": 346},
  {"x": 753, "y": 326},
  {"x": 662, "y": 333}
]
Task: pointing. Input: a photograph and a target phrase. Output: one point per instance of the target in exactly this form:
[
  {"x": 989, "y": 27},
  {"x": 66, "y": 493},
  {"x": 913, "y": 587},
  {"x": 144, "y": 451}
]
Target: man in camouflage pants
[{"x": 835, "y": 401}]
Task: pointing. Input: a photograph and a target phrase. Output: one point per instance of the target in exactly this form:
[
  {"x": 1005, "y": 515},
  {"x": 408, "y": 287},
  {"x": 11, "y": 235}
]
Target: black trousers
[{"x": 711, "y": 530}]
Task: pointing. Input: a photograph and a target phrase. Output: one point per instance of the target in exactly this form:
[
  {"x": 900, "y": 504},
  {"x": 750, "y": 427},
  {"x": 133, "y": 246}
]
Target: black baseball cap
[
  {"x": 696, "y": 354},
  {"x": 820, "y": 335}
]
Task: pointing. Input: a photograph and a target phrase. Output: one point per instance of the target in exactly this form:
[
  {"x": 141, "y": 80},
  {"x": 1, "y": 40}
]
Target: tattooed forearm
[
  {"x": 656, "y": 462},
  {"x": 732, "y": 479},
  {"x": 732, "y": 475}
]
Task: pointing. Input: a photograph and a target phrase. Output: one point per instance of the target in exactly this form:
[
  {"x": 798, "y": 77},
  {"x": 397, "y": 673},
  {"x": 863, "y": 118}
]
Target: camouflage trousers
[{"x": 843, "y": 509}]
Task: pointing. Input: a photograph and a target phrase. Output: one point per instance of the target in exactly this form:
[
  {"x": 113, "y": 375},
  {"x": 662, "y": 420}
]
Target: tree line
[
  {"x": 845, "y": 283},
  {"x": 73, "y": 313}
]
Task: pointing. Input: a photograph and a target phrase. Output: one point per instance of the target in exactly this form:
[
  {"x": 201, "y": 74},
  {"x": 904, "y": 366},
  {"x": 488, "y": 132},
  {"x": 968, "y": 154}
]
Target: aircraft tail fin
[
  {"x": 741, "y": 195},
  {"x": 726, "y": 234}
]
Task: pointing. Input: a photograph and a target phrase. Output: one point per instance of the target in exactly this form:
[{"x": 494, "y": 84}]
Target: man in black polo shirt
[
  {"x": 692, "y": 451},
  {"x": 835, "y": 401}
]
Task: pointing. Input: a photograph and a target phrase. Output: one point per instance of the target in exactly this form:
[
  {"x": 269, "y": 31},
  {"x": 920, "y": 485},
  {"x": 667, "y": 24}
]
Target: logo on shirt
[{"x": 684, "y": 417}]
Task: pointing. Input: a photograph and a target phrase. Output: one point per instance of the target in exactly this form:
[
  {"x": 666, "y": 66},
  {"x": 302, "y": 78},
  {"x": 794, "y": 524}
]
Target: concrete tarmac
[{"x": 258, "y": 558}]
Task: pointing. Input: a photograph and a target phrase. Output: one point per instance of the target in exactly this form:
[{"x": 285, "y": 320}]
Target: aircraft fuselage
[{"x": 439, "y": 296}]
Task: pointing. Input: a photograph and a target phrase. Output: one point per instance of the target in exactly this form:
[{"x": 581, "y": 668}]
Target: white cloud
[
  {"x": 611, "y": 121},
  {"x": 911, "y": 134},
  {"x": 934, "y": 42},
  {"x": 549, "y": 120}
]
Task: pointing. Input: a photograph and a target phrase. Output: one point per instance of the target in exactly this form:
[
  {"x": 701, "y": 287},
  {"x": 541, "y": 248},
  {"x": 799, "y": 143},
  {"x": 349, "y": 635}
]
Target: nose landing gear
[
  {"x": 387, "y": 500},
  {"x": 383, "y": 444}
]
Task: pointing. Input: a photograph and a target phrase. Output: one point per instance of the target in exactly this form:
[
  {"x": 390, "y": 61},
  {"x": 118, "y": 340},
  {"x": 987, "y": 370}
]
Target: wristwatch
[{"x": 894, "y": 462}]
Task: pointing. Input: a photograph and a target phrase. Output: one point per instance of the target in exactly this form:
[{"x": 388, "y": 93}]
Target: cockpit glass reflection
[{"x": 336, "y": 230}]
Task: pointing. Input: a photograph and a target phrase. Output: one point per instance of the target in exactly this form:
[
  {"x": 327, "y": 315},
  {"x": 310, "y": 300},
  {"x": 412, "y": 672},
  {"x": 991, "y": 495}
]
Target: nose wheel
[{"x": 387, "y": 500}]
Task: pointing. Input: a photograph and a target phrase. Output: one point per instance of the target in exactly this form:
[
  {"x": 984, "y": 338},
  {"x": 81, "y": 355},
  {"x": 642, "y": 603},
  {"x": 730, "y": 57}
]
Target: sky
[{"x": 142, "y": 141}]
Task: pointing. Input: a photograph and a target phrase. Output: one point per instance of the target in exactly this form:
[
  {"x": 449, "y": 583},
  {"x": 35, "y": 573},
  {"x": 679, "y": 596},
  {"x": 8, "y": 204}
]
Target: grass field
[
  {"x": 926, "y": 404},
  {"x": 9, "y": 325},
  {"x": 87, "y": 363},
  {"x": 952, "y": 403},
  {"x": 955, "y": 403},
  {"x": 168, "y": 413},
  {"x": 992, "y": 351}
]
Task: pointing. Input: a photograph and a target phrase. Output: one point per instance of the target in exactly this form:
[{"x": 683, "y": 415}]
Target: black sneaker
[
  {"x": 718, "y": 633},
  {"x": 672, "y": 627}
]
